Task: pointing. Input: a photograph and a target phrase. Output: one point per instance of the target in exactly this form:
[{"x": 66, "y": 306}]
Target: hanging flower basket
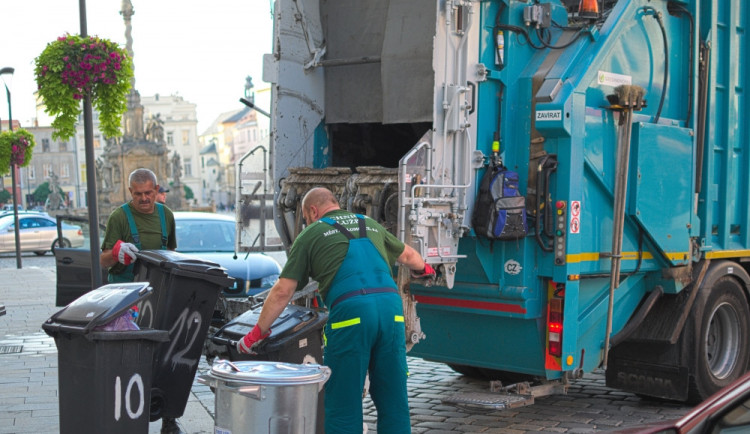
[
  {"x": 15, "y": 147},
  {"x": 72, "y": 67}
]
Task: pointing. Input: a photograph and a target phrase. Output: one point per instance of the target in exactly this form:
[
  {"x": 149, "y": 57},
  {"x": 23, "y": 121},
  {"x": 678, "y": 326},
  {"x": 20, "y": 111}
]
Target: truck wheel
[{"x": 720, "y": 320}]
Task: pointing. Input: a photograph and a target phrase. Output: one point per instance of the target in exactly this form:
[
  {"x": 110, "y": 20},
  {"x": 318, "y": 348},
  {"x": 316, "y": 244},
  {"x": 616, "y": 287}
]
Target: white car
[{"x": 37, "y": 233}]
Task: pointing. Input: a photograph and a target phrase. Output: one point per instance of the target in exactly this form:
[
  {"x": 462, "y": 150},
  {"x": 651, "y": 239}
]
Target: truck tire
[{"x": 719, "y": 330}]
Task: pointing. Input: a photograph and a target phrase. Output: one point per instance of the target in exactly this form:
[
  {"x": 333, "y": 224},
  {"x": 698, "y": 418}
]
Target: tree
[
  {"x": 5, "y": 196},
  {"x": 188, "y": 193}
]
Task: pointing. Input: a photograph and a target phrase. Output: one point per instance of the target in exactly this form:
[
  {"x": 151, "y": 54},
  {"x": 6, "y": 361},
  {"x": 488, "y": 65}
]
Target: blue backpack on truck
[{"x": 500, "y": 209}]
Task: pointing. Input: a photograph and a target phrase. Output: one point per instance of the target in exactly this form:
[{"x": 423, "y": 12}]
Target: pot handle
[
  {"x": 255, "y": 391},
  {"x": 326, "y": 375}
]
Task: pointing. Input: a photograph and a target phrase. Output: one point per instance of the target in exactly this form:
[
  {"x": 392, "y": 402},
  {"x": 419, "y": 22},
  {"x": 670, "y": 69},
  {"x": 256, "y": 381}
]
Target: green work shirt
[
  {"x": 149, "y": 230},
  {"x": 319, "y": 250}
]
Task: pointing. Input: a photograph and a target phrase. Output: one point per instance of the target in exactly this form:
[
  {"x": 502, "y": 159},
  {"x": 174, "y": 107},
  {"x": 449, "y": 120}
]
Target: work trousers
[{"x": 366, "y": 333}]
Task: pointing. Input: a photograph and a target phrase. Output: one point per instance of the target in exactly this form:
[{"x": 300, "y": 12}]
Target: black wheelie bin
[
  {"x": 104, "y": 377},
  {"x": 186, "y": 289}
]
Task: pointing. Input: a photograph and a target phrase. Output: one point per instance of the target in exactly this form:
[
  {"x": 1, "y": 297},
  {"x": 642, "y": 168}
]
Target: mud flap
[{"x": 631, "y": 370}]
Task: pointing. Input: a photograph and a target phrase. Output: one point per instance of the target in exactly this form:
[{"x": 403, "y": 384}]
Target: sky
[{"x": 200, "y": 50}]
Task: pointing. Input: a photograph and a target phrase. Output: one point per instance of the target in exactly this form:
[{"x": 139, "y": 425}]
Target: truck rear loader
[{"x": 614, "y": 228}]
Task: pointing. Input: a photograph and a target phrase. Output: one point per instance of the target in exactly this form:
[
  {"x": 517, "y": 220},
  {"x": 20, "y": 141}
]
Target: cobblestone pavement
[{"x": 29, "y": 389}]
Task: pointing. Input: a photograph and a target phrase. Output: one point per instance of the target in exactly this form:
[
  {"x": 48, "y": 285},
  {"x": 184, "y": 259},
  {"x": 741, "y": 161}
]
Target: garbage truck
[{"x": 577, "y": 171}]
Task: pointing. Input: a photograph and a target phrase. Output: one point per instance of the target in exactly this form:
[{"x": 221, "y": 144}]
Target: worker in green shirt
[
  {"x": 350, "y": 256},
  {"x": 142, "y": 223}
]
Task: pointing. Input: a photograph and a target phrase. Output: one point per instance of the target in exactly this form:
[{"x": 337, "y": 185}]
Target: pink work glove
[
  {"x": 124, "y": 253},
  {"x": 245, "y": 345},
  {"x": 427, "y": 273}
]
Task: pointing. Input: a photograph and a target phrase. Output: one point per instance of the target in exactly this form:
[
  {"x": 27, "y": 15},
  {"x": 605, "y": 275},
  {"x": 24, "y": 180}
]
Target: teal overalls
[
  {"x": 127, "y": 275},
  {"x": 365, "y": 332}
]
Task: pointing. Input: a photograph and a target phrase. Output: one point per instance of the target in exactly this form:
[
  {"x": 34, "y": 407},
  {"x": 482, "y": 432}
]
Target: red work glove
[
  {"x": 245, "y": 345},
  {"x": 124, "y": 253},
  {"x": 427, "y": 273}
]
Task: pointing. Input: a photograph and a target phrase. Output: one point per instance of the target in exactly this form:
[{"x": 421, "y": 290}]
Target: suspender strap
[
  {"x": 133, "y": 228},
  {"x": 163, "y": 221}
]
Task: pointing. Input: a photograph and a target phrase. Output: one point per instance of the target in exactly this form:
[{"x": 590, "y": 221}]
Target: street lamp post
[{"x": 8, "y": 71}]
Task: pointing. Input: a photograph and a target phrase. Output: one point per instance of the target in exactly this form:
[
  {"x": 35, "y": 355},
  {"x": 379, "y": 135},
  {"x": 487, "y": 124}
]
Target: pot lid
[{"x": 265, "y": 372}]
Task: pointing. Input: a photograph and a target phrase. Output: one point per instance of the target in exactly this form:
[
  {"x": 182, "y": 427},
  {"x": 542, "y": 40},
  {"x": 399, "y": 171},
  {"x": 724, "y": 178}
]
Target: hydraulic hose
[{"x": 659, "y": 19}]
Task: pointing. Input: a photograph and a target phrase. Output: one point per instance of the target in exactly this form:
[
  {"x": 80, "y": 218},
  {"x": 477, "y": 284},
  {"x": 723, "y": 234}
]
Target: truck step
[{"x": 488, "y": 400}]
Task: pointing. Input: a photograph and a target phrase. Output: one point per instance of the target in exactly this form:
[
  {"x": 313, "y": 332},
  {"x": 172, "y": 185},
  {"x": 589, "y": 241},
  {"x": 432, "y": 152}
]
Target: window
[
  {"x": 45, "y": 145},
  {"x": 31, "y": 171},
  {"x": 96, "y": 142},
  {"x": 63, "y": 146},
  {"x": 170, "y": 138},
  {"x": 47, "y": 169},
  {"x": 187, "y": 166},
  {"x": 185, "y": 137},
  {"x": 64, "y": 171}
]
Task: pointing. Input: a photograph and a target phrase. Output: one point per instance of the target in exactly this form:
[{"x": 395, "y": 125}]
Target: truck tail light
[{"x": 555, "y": 326}]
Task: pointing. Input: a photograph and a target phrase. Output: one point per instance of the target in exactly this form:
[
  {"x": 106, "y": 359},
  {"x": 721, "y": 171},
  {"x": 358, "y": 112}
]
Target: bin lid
[
  {"x": 99, "y": 306},
  {"x": 172, "y": 259},
  {"x": 294, "y": 319},
  {"x": 270, "y": 373}
]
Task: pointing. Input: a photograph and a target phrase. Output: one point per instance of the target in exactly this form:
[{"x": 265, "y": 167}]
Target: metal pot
[{"x": 265, "y": 397}]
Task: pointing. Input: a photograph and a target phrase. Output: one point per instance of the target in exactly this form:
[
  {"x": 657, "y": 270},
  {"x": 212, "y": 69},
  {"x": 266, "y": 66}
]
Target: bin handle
[{"x": 230, "y": 364}]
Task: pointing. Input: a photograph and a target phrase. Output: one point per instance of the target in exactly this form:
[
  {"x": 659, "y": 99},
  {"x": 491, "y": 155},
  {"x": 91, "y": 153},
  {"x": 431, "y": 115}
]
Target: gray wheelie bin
[
  {"x": 186, "y": 289},
  {"x": 104, "y": 377}
]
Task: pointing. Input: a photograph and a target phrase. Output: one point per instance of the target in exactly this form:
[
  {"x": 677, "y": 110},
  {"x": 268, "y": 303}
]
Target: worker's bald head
[{"x": 317, "y": 202}]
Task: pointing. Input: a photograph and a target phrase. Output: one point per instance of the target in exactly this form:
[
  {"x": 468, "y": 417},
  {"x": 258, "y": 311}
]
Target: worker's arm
[
  {"x": 279, "y": 297},
  {"x": 121, "y": 252},
  {"x": 419, "y": 268},
  {"x": 106, "y": 259},
  {"x": 411, "y": 258}
]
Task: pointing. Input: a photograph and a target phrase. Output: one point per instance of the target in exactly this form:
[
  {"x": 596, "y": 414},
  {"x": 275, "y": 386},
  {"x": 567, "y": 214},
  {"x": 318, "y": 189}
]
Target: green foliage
[
  {"x": 15, "y": 147},
  {"x": 188, "y": 192},
  {"x": 5, "y": 196},
  {"x": 72, "y": 67}
]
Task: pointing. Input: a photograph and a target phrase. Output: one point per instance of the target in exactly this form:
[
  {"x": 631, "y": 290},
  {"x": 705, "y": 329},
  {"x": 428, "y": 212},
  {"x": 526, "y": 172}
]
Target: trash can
[
  {"x": 104, "y": 377},
  {"x": 265, "y": 397},
  {"x": 297, "y": 337},
  {"x": 186, "y": 289}
]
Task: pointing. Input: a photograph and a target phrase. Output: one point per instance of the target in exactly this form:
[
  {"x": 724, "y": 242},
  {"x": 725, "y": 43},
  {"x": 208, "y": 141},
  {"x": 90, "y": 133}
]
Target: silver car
[{"x": 37, "y": 233}]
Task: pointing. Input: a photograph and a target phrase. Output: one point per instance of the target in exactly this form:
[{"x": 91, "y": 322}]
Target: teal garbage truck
[{"x": 578, "y": 172}]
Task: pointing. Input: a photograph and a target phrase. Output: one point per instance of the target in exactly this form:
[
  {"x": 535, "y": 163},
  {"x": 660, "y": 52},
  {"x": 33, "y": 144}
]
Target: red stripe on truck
[{"x": 470, "y": 304}]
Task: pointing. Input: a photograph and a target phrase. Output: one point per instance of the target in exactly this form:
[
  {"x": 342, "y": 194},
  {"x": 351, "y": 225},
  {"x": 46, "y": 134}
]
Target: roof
[{"x": 209, "y": 149}]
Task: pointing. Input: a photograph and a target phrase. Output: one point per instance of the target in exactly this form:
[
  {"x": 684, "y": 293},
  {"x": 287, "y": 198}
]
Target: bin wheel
[{"x": 157, "y": 405}]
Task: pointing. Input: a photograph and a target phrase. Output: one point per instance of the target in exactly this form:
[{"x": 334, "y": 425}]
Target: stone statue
[
  {"x": 54, "y": 198},
  {"x": 176, "y": 168},
  {"x": 155, "y": 129}
]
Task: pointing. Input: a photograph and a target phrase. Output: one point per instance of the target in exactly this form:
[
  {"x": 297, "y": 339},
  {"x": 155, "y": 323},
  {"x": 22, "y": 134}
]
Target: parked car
[
  {"x": 9, "y": 207},
  {"x": 38, "y": 233},
  {"x": 211, "y": 237},
  {"x": 207, "y": 236},
  {"x": 727, "y": 411}
]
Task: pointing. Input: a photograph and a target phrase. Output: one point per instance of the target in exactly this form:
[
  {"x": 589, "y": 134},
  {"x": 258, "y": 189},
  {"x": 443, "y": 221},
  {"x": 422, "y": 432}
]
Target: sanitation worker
[
  {"x": 142, "y": 223},
  {"x": 350, "y": 256},
  {"x": 161, "y": 195}
]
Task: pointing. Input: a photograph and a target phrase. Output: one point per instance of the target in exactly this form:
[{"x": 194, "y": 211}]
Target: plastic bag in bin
[{"x": 125, "y": 321}]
